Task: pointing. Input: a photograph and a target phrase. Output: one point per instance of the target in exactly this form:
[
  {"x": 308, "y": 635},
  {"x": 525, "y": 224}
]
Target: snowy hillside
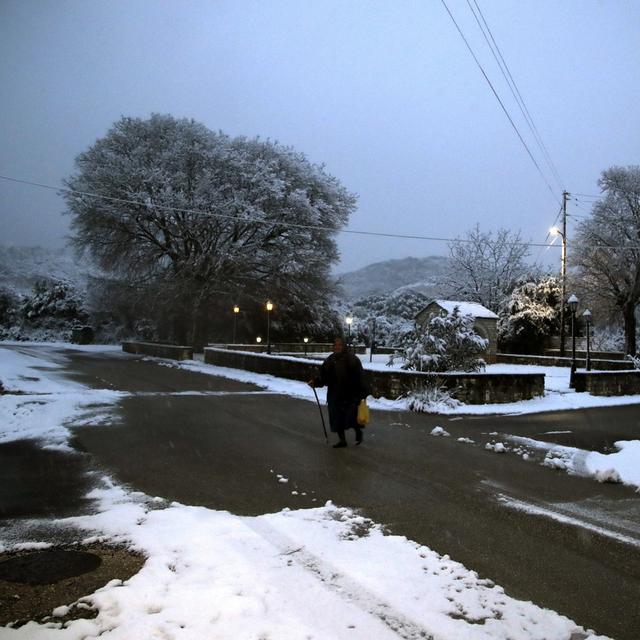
[
  {"x": 22, "y": 267},
  {"x": 419, "y": 274}
]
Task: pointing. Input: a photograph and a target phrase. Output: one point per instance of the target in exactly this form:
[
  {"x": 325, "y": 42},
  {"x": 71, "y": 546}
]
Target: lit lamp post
[
  {"x": 306, "y": 344},
  {"x": 258, "y": 340},
  {"x": 349, "y": 321},
  {"x": 236, "y": 311},
  {"x": 587, "y": 318},
  {"x": 573, "y": 306},
  {"x": 563, "y": 280},
  {"x": 269, "y": 307}
]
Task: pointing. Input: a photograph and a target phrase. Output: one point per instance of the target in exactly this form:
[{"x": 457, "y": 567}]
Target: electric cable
[
  {"x": 279, "y": 223},
  {"x": 504, "y": 109},
  {"x": 511, "y": 83}
]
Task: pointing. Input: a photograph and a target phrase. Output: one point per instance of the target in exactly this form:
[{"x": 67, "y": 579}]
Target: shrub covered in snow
[
  {"x": 529, "y": 315},
  {"x": 608, "y": 338},
  {"x": 635, "y": 360},
  {"x": 48, "y": 313},
  {"x": 9, "y": 303},
  {"x": 449, "y": 343},
  {"x": 432, "y": 398}
]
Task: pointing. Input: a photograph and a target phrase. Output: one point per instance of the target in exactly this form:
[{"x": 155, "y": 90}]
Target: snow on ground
[
  {"x": 313, "y": 573},
  {"x": 39, "y": 401}
]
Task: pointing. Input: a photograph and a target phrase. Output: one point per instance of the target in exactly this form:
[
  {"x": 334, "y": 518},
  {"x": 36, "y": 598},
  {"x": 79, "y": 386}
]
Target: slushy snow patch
[{"x": 439, "y": 431}]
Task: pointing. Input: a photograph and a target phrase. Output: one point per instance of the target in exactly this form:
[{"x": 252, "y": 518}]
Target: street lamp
[
  {"x": 349, "y": 321},
  {"x": 269, "y": 307},
  {"x": 236, "y": 311},
  {"x": 573, "y": 306},
  {"x": 563, "y": 278},
  {"x": 306, "y": 344},
  {"x": 586, "y": 314}
]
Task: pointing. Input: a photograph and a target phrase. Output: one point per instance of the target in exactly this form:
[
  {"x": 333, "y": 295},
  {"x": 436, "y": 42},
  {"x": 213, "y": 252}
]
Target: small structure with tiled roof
[{"x": 485, "y": 325}]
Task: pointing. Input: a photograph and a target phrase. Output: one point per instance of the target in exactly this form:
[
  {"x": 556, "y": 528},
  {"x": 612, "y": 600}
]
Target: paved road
[{"x": 224, "y": 449}]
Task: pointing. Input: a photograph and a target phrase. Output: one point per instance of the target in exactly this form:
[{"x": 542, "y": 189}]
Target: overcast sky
[{"x": 385, "y": 94}]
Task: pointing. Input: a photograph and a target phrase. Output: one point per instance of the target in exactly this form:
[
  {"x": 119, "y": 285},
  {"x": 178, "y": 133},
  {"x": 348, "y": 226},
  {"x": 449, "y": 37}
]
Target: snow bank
[
  {"x": 621, "y": 466},
  {"x": 315, "y": 573}
]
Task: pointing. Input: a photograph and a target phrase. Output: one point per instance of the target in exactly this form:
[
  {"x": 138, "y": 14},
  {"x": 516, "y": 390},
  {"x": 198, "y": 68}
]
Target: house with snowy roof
[{"x": 485, "y": 325}]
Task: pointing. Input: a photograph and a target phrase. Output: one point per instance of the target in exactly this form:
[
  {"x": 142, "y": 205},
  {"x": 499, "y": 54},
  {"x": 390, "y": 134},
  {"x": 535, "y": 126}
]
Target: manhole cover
[{"x": 47, "y": 567}]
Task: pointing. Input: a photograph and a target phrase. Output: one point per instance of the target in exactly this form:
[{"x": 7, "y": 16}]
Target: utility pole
[{"x": 563, "y": 277}]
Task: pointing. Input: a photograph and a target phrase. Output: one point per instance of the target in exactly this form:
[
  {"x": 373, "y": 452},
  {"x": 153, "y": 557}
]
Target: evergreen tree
[{"x": 448, "y": 343}]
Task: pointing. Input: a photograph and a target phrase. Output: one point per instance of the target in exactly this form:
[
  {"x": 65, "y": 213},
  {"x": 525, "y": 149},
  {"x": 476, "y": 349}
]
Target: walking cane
[{"x": 315, "y": 393}]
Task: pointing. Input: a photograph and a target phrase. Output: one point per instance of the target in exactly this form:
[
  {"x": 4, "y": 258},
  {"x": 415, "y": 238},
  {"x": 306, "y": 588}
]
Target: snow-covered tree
[
  {"x": 9, "y": 302},
  {"x": 485, "y": 268},
  {"x": 208, "y": 221},
  {"x": 448, "y": 343},
  {"x": 393, "y": 314},
  {"x": 530, "y": 315},
  {"x": 606, "y": 250}
]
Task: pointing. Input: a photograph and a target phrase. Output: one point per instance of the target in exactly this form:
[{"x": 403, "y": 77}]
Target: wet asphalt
[{"x": 226, "y": 447}]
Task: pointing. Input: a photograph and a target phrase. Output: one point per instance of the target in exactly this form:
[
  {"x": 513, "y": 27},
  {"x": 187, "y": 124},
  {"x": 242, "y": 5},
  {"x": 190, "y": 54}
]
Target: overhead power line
[
  {"x": 504, "y": 109},
  {"x": 293, "y": 225},
  {"x": 511, "y": 83}
]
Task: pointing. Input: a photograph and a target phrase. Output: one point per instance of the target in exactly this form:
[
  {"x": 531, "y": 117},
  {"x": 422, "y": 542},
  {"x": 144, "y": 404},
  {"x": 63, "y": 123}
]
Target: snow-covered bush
[
  {"x": 448, "y": 343},
  {"x": 49, "y": 313},
  {"x": 432, "y": 398},
  {"x": 58, "y": 300},
  {"x": 530, "y": 315},
  {"x": 9, "y": 303},
  {"x": 635, "y": 360},
  {"x": 608, "y": 338}
]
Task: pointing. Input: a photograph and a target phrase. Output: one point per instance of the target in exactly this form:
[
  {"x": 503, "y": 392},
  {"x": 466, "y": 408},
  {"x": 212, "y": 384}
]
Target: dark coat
[{"x": 343, "y": 376}]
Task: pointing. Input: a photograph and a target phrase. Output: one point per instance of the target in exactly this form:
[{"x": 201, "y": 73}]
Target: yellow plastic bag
[{"x": 363, "y": 413}]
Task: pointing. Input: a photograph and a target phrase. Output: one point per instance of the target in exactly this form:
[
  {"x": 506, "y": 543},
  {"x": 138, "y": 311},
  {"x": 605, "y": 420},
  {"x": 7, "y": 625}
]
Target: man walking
[{"x": 343, "y": 376}]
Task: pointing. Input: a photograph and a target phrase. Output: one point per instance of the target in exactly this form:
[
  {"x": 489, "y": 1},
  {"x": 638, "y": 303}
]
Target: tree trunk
[
  {"x": 199, "y": 323},
  {"x": 629, "y": 316}
]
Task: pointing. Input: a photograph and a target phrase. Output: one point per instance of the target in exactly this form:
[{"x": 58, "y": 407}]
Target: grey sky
[{"x": 384, "y": 93}]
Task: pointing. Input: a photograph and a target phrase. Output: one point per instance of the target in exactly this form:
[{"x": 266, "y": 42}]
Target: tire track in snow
[{"x": 341, "y": 585}]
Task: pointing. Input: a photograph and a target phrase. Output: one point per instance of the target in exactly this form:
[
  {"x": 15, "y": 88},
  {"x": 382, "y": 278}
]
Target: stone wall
[
  {"x": 470, "y": 388},
  {"x": 158, "y": 350},
  {"x": 581, "y": 353},
  {"x": 608, "y": 383},
  {"x": 286, "y": 347},
  {"x": 546, "y": 361}
]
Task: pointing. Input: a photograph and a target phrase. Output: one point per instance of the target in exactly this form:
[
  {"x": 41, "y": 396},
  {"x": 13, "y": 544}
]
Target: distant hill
[
  {"x": 22, "y": 267},
  {"x": 418, "y": 274}
]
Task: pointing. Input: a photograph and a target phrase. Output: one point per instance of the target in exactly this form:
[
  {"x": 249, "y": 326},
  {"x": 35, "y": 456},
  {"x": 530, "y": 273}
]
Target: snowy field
[{"x": 314, "y": 573}]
